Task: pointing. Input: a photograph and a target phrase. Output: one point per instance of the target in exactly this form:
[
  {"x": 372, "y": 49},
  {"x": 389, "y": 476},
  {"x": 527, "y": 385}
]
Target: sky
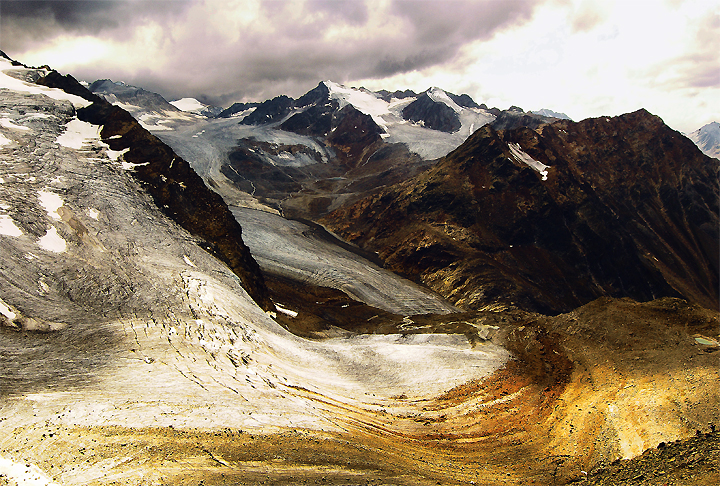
[{"x": 586, "y": 58}]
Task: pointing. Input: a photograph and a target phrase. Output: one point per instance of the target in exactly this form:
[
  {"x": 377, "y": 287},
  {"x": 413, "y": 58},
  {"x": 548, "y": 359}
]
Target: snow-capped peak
[
  {"x": 440, "y": 96},
  {"x": 707, "y": 138},
  {"x": 188, "y": 104},
  {"x": 363, "y": 101},
  {"x": 551, "y": 113}
]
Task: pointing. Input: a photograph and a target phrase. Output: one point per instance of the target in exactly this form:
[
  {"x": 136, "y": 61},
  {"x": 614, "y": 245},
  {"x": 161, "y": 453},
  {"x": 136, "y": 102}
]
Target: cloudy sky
[{"x": 582, "y": 57}]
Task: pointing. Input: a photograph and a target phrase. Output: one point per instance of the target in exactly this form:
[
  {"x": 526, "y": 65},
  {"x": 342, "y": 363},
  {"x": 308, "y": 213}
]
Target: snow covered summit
[{"x": 707, "y": 138}]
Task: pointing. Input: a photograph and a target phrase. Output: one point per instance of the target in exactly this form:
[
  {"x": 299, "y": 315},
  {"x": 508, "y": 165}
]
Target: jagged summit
[
  {"x": 707, "y": 138},
  {"x": 551, "y": 114}
]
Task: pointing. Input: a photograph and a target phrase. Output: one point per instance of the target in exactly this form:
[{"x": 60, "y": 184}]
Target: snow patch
[
  {"x": 440, "y": 96},
  {"x": 187, "y": 104},
  {"x": 131, "y": 166},
  {"x": 8, "y": 226},
  {"x": 77, "y": 133},
  {"x": 51, "y": 202},
  {"x": 14, "y": 84},
  {"x": 24, "y": 473},
  {"x": 521, "y": 156},
  {"x": 8, "y": 123},
  {"x": 52, "y": 241},
  {"x": 3, "y": 140},
  {"x": 285, "y": 311},
  {"x": 8, "y": 313},
  {"x": 188, "y": 261},
  {"x": 114, "y": 155},
  {"x": 93, "y": 213}
]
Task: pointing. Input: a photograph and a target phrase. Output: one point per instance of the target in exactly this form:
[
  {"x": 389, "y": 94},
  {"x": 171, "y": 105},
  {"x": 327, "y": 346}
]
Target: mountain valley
[{"x": 351, "y": 287}]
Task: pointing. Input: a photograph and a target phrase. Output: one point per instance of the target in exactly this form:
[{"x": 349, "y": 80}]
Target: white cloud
[
  {"x": 582, "y": 57},
  {"x": 602, "y": 59}
]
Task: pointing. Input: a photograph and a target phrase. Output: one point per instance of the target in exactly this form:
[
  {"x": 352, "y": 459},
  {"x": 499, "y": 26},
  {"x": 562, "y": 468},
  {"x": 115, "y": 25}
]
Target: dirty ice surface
[
  {"x": 283, "y": 248},
  {"x": 142, "y": 327}
]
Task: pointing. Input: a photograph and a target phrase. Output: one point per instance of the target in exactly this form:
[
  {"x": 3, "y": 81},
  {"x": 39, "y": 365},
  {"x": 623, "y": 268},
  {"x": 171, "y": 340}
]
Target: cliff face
[
  {"x": 548, "y": 220},
  {"x": 175, "y": 187}
]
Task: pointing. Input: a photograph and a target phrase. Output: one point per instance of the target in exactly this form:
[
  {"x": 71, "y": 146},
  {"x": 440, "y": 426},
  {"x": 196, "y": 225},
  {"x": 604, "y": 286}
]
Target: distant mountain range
[
  {"x": 334, "y": 144},
  {"x": 553, "y": 114},
  {"x": 509, "y": 207}
]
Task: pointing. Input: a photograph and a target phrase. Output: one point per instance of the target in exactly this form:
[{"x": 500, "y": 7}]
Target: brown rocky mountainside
[{"x": 552, "y": 218}]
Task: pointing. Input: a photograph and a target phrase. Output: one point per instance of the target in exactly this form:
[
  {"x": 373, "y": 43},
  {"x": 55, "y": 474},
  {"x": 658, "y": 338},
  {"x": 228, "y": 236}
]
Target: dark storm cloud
[
  {"x": 28, "y": 23},
  {"x": 212, "y": 50},
  {"x": 67, "y": 14},
  {"x": 437, "y": 30}
]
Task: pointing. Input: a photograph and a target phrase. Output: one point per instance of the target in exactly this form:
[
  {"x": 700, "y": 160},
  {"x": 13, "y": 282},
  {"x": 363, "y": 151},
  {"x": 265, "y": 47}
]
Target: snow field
[
  {"x": 13, "y": 84},
  {"x": 23, "y": 473}
]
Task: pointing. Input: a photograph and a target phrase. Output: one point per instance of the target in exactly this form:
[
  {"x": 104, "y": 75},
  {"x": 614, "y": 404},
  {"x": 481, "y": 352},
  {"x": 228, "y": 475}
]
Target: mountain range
[
  {"x": 350, "y": 287},
  {"x": 332, "y": 145}
]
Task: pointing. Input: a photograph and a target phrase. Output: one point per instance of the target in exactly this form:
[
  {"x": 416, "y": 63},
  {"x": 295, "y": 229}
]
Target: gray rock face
[
  {"x": 118, "y": 92},
  {"x": 433, "y": 114}
]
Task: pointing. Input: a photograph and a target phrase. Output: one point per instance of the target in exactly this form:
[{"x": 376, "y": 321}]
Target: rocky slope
[
  {"x": 173, "y": 184},
  {"x": 549, "y": 219}
]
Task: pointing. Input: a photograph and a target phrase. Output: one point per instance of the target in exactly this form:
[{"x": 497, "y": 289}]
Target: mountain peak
[
  {"x": 550, "y": 113},
  {"x": 707, "y": 138},
  {"x": 188, "y": 104}
]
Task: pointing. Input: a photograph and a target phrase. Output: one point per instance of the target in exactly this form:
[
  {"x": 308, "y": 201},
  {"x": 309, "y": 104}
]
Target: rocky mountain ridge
[
  {"x": 552, "y": 218},
  {"x": 175, "y": 187},
  {"x": 332, "y": 145}
]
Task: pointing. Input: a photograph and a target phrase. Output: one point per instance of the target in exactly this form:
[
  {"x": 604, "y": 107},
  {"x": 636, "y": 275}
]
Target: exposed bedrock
[{"x": 548, "y": 220}]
